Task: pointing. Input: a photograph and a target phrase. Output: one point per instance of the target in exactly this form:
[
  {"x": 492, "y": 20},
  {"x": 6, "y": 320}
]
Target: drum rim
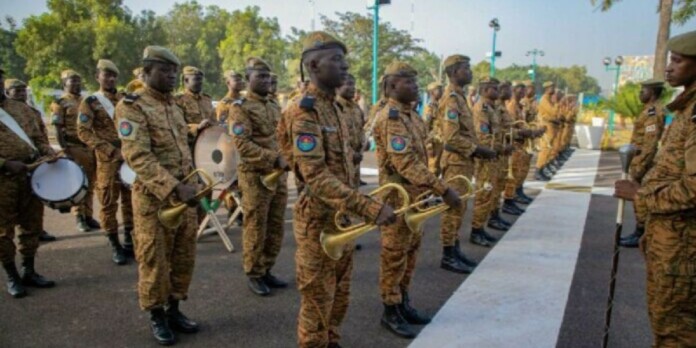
[
  {"x": 84, "y": 186},
  {"x": 193, "y": 152}
]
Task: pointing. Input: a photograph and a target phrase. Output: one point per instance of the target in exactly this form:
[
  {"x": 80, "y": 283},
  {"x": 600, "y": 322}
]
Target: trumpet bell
[
  {"x": 333, "y": 244},
  {"x": 172, "y": 217},
  {"x": 415, "y": 221},
  {"x": 270, "y": 181}
]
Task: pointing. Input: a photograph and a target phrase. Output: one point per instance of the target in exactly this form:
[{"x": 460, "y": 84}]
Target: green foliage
[
  {"x": 575, "y": 78},
  {"x": 627, "y": 103},
  {"x": 12, "y": 63},
  {"x": 685, "y": 9}
]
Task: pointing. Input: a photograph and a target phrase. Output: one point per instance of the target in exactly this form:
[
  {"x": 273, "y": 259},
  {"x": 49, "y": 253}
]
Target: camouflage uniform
[
  {"x": 96, "y": 128},
  {"x": 222, "y": 110},
  {"x": 548, "y": 114},
  {"x": 529, "y": 113},
  {"x": 502, "y": 138},
  {"x": 401, "y": 138},
  {"x": 487, "y": 125},
  {"x": 434, "y": 143},
  {"x": 253, "y": 121},
  {"x": 65, "y": 115},
  {"x": 520, "y": 158},
  {"x": 459, "y": 142},
  {"x": 153, "y": 131},
  {"x": 356, "y": 122},
  {"x": 197, "y": 107}
]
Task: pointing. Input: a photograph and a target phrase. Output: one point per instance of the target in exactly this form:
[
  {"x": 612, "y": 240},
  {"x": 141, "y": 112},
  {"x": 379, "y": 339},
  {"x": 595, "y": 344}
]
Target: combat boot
[
  {"x": 496, "y": 216},
  {"x": 31, "y": 278},
  {"x": 497, "y": 224},
  {"x": 258, "y": 286},
  {"x": 46, "y": 237},
  {"x": 633, "y": 239},
  {"x": 509, "y": 207},
  {"x": 523, "y": 198},
  {"x": 14, "y": 281},
  {"x": 393, "y": 321},
  {"x": 93, "y": 224},
  {"x": 160, "y": 329},
  {"x": 540, "y": 175},
  {"x": 549, "y": 171},
  {"x": 128, "y": 242},
  {"x": 119, "y": 255},
  {"x": 478, "y": 237},
  {"x": 451, "y": 263},
  {"x": 274, "y": 282},
  {"x": 82, "y": 223},
  {"x": 462, "y": 257},
  {"x": 411, "y": 314},
  {"x": 178, "y": 321}
]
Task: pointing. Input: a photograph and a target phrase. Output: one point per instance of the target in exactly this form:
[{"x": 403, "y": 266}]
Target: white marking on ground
[{"x": 369, "y": 171}]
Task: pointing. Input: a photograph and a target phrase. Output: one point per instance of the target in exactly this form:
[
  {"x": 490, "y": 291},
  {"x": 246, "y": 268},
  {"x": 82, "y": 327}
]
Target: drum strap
[
  {"x": 106, "y": 103},
  {"x": 10, "y": 122}
]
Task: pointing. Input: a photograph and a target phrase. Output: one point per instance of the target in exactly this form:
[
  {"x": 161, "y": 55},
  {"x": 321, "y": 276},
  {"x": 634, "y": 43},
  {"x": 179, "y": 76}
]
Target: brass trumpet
[
  {"x": 172, "y": 217},
  {"x": 270, "y": 181}
]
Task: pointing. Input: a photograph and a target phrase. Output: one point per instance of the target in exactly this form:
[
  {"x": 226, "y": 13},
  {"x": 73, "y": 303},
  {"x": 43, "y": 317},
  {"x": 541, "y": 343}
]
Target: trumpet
[
  {"x": 270, "y": 181},
  {"x": 172, "y": 217}
]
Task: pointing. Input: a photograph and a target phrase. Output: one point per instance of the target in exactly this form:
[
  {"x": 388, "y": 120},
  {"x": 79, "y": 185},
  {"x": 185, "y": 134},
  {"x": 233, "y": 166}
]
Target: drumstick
[{"x": 36, "y": 164}]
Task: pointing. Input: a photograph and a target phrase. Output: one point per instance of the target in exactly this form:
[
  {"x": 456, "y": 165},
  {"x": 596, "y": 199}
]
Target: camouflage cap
[
  {"x": 191, "y": 70},
  {"x": 137, "y": 71},
  {"x": 399, "y": 68},
  {"x": 319, "y": 40},
  {"x": 489, "y": 81},
  {"x": 653, "y": 83},
  {"x": 14, "y": 83},
  {"x": 454, "y": 59},
  {"x": 256, "y": 63},
  {"x": 529, "y": 83},
  {"x": 69, "y": 73},
  {"x": 105, "y": 64},
  {"x": 683, "y": 44},
  {"x": 433, "y": 85},
  {"x": 160, "y": 54},
  {"x": 548, "y": 84}
]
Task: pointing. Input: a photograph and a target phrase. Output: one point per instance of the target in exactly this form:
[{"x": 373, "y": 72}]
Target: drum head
[
  {"x": 215, "y": 153},
  {"x": 127, "y": 174},
  {"x": 58, "y": 181}
]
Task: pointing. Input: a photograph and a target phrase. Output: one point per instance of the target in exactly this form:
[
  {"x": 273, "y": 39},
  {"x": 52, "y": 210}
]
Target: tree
[
  {"x": 10, "y": 61},
  {"x": 574, "y": 78}
]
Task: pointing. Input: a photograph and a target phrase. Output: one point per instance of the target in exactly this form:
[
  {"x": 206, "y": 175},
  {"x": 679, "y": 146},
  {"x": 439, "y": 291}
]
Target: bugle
[
  {"x": 172, "y": 217},
  {"x": 270, "y": 181}
]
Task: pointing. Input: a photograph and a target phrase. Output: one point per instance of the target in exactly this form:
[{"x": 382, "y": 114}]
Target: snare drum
[
  {"x": 127, "y": 175},
  {"x": 60, "y": 185}
]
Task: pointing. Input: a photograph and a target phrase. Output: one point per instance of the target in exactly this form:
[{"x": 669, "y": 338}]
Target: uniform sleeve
[
  {"x": 135, "y": 139},
  {"x": 57, "y": 114},
  {"x": 452, "y": 137},
  {"x": 310, "y": 162},
  {"x": 86, "y": 133},
  {"x": 547, "y": 112},
  {"x": 360, "y": 122},
  {"x": 241, "y": 130},
  {"x": 39, "y": 135},
  {"x": 397, "y": 144},
  {"x": 221, "y": 111},
  {"x": 651, "y": 131}
]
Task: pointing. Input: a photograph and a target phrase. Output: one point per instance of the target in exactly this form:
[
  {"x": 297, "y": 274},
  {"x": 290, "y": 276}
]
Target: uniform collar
[
  {"x": 166, "y": 97},
  {"x": 192, "y": 94},
  {"x": 233, "y": 95},
  {"x": 682, "y": 100},
  {"x": 344, "y": 101},
  {"x": 404, "y": 108},
  {"x": 319, "y": 94},
  {"x": 456, "y": 89},
  {"x": 108, "y": 94},
  {"x": 255, "y": 96}
]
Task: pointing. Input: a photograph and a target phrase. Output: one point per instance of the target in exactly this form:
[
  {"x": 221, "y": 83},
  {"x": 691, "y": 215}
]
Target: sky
[{"x": 570, "y": 32}]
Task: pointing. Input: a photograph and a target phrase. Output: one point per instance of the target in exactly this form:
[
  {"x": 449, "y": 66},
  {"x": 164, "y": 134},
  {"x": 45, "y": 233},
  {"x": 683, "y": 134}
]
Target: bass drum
[
  {"x": 127, "y": 175},
  {"x": 60, "y": 185},
  {"x": 215, "y": 153}
]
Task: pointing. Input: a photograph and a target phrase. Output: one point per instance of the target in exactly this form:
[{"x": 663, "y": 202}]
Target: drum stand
[
  {"x": 237, "y": 211},
  {"x": 210, "y": 209}
]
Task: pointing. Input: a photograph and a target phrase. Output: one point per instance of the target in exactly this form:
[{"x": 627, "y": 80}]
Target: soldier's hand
[
  {"x": 15, "y": 167},
  {"x": 451, "y": 198},
  {"x": 386, "y": 216},
  {"x": 357, "y": 158},
  {"x": 484, "y": 153},
  {"x": 280, "y": 163},
  {"x": 187, "y": 194},
  {"x": 626, "y": 189},
  {"x": 204, "y": 124}
]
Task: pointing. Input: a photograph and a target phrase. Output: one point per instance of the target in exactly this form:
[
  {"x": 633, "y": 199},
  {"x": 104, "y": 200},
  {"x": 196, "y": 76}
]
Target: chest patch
[
  {"x": 397, "y": 143},
  {"x": 306, "y": 142},
  {"x": 452, "y": 115},
  {"x": 84, "y": 118},
  {"x": 238, "y": 129}
]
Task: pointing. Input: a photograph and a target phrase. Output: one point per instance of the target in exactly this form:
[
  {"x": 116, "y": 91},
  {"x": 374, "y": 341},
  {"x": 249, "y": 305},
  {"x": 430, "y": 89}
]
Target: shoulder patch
[
  {"x": 652, "y": 111},
  {"x": 306, "y": 142},
  {"x": 484, "y": 128},
  {"x": 84, "y": 118},
  {"x": 452, "y": 115},
  {"x": 398, "y": 144},
  {"x": 238, "y": 128},
  {"x": 307, "y": 102},
  {"x": 393, "y": 114},
  {"x": 131, "y": 98},
  {"x": 127, "y": 130}
]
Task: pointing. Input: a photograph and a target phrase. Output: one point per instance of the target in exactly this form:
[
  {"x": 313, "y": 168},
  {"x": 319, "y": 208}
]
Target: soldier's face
[
  {"x": 107, "y": 79},
  {"x": 681, "y": 70},
  {"x": 274, "y": 85},
  {"x": 330, "y": 67},
  {"x": 530, "y": 91},
  {"x": 73, "y": 85},
  {"x": 347, "y": 90},
  {"x": 645, "y": 95},
  {"x": 464, "y": 74},
  {"x": 405, "y": 89},
  {"x": 162, "y": 77},
  {"x": 505, "y": 93},
  {"x": 236, "y": 83},
  {"x": 260, "y": 81},
  {"x": 18, "y": 93},
  {"x": 194, "y": 83}
]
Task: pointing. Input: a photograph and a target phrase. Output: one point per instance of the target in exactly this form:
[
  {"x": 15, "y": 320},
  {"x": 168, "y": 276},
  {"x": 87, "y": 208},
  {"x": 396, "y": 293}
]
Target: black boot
[
  {"x": 497, "y": 224},
  {"x": 522, "y": 197},
  {"x": 119, "y": 255},
  {"x": 393, "y": 321},
  {"x": 633, "y": 239},
  {"x": 31, "y": 278},
  {"x": 160, "y": 329},
  {"x": 46, "y": 237},
  {"x": 478, "y": 237},
  {"x": 540, "y": 175},
  {"x": 509, "y": 207},
  {"x": 460, "y": 255},
  {"x": 258, "y": 286},
  {"x": 93, "y": 224},
  {"x": 496, "y": 216},
  {"x": 82, "y": 224},
  {"x": 274, "y": 282},
  {"x": 549, "y": 170},
  {"x": 128, "y": 242},
  {"x": 178, "y": 321},
  {"x": 14, "y": 281},
  {"x": 451, "y": 263},
  {"x": 411, "y": 314}
]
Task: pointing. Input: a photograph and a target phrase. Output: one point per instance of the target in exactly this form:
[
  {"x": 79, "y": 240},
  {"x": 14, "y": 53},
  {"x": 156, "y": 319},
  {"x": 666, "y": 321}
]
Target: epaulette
[
  {"x": 307, "y": 102},
  {"x": 652, "y": 111},
  {"x": 131, "y": 98},
  {"x": 393, "y": 114},
  {"x": 239, "y": 101}
]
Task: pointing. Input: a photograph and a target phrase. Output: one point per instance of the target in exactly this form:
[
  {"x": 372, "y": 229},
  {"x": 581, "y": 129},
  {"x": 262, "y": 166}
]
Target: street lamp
[
  {"x": 496, "y": 26},
  {"x": 534, "y": 53},
  {"x": 617, "y": 69},
  {"x": 374, "y": 6}
]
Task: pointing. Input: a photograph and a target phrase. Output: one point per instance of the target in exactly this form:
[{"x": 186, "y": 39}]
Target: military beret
[
  {"x": 255, "y": 63},
  {"x": 454, "y": 59},
  {"x": 434, "y": 85},
  {"x": 529, "y": 83},
  {"x": 160, "y": 54},
  {"x": 683, "y": 44},
  {"x": 319, "y": 40},
  {"x": 66, "y": 74},
  {"x": 398, "y": 68},
  {"x": 231, "y": 73},
  {"x": 548, "y": 84},
  {"x": 137, "y": 71},
  {"x": 105, "y": 64},
  {"x": 191, "y": 70},
  {"x": 14, "y": 83},
  {"x": 653, "y": 83},
  {"x": 489, "y": 81}
]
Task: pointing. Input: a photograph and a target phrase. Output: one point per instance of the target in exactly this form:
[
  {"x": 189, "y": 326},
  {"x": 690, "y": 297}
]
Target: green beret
[
  {"x": 160, "y": 54},
  {"x": 14, "y": 83},
  {"x": 255, "y": 63},
  {"x": 66, "y": 74},
  {"x": 548, "y": 84},
  {"x": 683, "y": 44},
  {"x": 398, "y": 68},
  {"x": 191, "y": 70},
  {"x": 319, "y": 40},
  {"x": 105, "y": 64},
  {"x": 454, "y": 59},
  {"x": 137, "y": 71},
  {"x": 653, "y": 83},
  {"x": 433, "y": 85},
  {"x": 489, "y": 81}
]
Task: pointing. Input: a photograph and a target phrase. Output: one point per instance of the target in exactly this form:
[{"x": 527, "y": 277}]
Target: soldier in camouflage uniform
[
  {"x": 668, "y": 194},
  {"x": 401, "y": 138},
  {"x": 647, "y": 132},
  {"x": 520, "y": 157},
  {"x": 21, "y": 142},
  {"x": 345, "y": 96},
  {"x": 561, "y": 103},
  {"x": 430, "y": 113},
  {"x": 547, "y": 113},
  {"x": 460, "y": 147},
  {"x": 314, "y": 137},
  {"x": 253, "y": 121},
  {"x": 506, "y": 123},
  {"x": 197, "y": 106},
  {"x": 529, "y": 110},
  {"x": 153, "y": 131},
  {"x": 65, "y": 119},
  {"x": 235, "y": 86},
  {"x": 96, "y": 128}
]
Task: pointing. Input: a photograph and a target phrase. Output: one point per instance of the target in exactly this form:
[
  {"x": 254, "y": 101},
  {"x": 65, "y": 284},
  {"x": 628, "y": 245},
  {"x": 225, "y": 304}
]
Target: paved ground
[{"x": 95, "y": 305}]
